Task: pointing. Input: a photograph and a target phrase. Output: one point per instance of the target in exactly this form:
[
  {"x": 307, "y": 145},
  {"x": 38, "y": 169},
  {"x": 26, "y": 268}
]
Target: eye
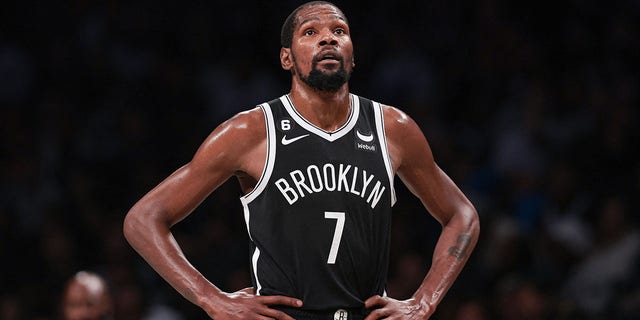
[
  {"x": 340, "y": 31},
  {"x": 309, "y": 32}
]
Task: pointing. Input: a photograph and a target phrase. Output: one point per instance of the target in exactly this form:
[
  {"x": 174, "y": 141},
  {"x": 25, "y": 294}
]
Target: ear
[{"x": 285, "y": 58}]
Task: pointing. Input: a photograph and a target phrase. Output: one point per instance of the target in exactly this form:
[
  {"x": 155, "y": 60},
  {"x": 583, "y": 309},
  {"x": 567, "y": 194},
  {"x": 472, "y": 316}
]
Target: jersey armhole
[
  {"x": 260, "y": 186},
  {"x": 379, "y": 117},
  {"x": 270, "y": 156}
]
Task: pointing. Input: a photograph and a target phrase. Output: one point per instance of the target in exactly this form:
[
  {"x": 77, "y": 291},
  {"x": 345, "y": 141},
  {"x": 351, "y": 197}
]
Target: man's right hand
[{"x": 244, "y": 304}]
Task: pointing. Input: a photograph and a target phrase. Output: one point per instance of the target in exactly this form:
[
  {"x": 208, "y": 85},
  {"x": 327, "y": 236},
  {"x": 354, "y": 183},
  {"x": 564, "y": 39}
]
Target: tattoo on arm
[{"x": 459, "y": 251}]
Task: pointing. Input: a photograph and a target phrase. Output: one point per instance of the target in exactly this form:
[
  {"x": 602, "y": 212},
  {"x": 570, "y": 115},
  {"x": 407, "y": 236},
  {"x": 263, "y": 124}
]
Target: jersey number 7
[{"x": 337, "y": 235}]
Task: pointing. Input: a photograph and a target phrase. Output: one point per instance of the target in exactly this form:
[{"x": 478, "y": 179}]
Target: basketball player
[
  {"x": 317, "y": 167},
  {"x": 86, "y": 297}
]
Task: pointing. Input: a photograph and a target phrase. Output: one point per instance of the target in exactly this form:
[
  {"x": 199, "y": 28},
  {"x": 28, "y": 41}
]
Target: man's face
[
  {"x": 321, "y": 50},
  {"x": 82, "y": 304}
]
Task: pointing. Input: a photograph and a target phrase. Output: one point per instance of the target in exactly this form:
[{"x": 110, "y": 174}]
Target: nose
[{"x": 328, "y": 38}]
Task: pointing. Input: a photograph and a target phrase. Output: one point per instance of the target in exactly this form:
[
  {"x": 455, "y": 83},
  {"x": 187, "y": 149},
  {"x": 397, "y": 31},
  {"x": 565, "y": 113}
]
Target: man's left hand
[{"x": 389, "y": 308}]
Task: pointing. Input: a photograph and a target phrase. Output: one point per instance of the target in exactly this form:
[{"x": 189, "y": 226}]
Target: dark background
[{"x": 531, "y": 107}]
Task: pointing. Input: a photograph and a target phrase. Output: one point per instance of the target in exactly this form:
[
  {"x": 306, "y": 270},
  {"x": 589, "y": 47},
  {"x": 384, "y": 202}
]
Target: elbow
[
  {"x": 131, "y": 224},
  {"x": 137, "y": 222},
  {"x": 472, "y": 221},
  {"x": 465, "y": 220}
]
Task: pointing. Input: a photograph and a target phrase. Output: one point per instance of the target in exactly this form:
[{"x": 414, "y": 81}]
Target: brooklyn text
[{"x": 331, "y": 178}]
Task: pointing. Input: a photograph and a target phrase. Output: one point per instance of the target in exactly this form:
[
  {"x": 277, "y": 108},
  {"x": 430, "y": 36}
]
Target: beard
[{"x": 329, "y": 81}]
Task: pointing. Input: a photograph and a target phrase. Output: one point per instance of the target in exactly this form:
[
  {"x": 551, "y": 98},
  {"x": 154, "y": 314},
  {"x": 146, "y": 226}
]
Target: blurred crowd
[{"x": 531, "y": 107}]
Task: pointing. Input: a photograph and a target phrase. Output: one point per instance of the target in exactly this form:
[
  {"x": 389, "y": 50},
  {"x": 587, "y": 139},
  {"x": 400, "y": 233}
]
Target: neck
[{"x": 326, "y": 110}]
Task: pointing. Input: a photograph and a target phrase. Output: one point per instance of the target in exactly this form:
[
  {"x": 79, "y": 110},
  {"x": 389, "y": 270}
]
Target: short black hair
[{"x": 286, "y": 34}]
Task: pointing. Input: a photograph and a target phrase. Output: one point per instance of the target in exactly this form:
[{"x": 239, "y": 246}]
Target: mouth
[{"x": 330, "y": 55}]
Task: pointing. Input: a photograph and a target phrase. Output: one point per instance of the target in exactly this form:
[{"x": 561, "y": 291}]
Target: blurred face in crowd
[
  {"x": 86, "y": 298},
  {"x": 321, "y": 52}
]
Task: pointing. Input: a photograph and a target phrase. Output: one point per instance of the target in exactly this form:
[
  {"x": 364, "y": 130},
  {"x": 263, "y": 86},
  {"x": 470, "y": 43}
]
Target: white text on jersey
[{"x": 346, "y": 179}]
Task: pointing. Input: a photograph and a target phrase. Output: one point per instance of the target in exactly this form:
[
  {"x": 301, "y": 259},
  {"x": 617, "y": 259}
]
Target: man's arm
[
  {"x": 234, "y": 146},
  {"x": 413, "y": 161}
]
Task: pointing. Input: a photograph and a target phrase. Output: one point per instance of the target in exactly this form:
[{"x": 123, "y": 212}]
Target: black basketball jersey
[{"x": 319, "y": 217}]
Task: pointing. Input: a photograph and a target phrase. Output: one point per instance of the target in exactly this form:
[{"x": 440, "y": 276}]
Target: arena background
[{"x": 531, "y": 107}]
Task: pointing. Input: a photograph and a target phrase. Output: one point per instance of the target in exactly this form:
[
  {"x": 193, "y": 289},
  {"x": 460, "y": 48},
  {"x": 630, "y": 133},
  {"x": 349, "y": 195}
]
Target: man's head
[
  {"x": 86, "y": 297},
  {"x": 316, "y": 46},
  {"x": 286, "y": 33}
]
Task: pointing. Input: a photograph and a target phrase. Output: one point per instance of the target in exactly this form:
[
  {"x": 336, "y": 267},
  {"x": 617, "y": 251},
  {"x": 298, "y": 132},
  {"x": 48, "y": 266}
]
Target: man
[
  {"x": 317, "y": 168},
  {"x": 86, "y": 297}
]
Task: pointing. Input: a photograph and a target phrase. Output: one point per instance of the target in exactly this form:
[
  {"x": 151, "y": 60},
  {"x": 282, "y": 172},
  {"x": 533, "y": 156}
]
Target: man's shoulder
[
  {"x": 253, "y": 119},
  {"x": 398, "y": 123},
  {"x": 246, "y": 123},
  {"x": 250, "y": 115},
  {"x": 394, "y": 115},
  {"x": 386, "y": 108}
]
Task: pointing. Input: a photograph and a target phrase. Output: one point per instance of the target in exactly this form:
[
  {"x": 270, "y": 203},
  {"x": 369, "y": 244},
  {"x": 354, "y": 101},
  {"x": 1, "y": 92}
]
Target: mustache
[{"x": 328, "y": 54}]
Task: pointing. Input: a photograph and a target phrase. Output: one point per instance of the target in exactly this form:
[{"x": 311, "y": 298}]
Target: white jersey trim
[
  {"x": 254, "y": 262},
  {"x": 327, "y": 135},
  {"x": 268, "y": 166},
  {"x": 262, "y": 183},
  {"x": 377, "y": 110}
]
